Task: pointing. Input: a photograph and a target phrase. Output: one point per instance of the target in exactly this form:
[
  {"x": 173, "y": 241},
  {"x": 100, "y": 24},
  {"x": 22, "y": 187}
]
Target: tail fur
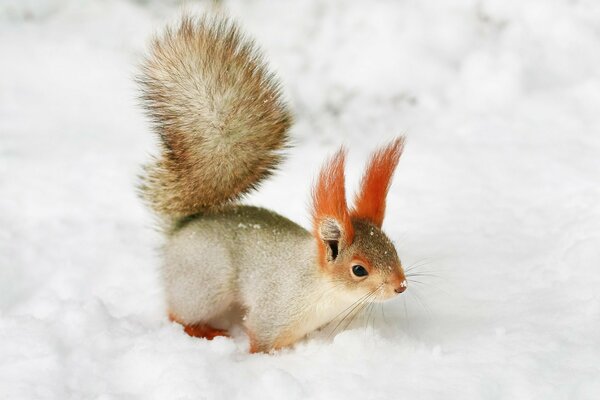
[{"x": 219, "y": 115}]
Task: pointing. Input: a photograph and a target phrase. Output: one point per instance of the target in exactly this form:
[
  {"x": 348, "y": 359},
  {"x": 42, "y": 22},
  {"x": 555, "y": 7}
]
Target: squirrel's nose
[{"x": 401, "y": 288}]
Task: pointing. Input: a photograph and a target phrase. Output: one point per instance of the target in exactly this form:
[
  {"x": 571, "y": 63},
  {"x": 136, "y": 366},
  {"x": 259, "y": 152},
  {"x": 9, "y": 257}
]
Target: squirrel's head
[{"x": 352, "y": 249}]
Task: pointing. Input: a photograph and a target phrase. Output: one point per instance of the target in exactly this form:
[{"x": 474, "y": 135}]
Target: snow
[{"x": 497, "y": 195}]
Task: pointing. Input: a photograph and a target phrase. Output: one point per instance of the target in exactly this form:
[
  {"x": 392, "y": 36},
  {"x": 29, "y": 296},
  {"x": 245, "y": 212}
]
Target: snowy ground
[{"x": 498, "y": 195}]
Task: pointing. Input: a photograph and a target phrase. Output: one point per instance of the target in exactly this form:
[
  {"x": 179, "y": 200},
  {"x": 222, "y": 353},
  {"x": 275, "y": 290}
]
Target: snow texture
[{"x": 497, "y": 195}]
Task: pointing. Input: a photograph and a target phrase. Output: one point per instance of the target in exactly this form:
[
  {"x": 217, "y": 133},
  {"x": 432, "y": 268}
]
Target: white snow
[{"x": 497, "y": 194}]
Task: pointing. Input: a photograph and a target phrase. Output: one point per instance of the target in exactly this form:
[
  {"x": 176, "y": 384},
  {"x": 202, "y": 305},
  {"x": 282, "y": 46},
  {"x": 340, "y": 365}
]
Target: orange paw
[
  {"x": 204, "y": 331},
  {"x": 200, "y": 330}
]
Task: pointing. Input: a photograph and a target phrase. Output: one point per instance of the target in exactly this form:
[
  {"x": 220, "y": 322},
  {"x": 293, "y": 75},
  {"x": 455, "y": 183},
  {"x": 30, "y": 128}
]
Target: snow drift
[{"x": 497, "y": 195}]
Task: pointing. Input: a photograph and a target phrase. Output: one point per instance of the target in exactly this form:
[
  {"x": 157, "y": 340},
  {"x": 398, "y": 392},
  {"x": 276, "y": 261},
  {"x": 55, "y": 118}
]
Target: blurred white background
[{"x": 497, "y": 195}]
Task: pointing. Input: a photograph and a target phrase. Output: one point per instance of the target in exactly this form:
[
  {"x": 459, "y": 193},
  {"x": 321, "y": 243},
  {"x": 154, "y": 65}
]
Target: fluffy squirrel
[{"x": 223, "y": 127}]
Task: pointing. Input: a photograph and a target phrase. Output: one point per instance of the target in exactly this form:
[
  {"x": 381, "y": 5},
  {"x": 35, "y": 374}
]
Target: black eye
[{"x": 359, "y": 270}]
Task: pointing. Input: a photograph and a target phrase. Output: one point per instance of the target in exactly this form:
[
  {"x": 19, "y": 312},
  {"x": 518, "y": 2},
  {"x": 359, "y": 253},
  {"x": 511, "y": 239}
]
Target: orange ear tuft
[
  {"x": 369, "y": 203},
  {"x": 329, "y": 200}
]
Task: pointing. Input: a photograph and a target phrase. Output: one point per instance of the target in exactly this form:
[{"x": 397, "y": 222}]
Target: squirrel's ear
[
  {"x": 331, "y": 218},
  {"x": 330, "y": 234},
  {"x": 369, "y": 203}
]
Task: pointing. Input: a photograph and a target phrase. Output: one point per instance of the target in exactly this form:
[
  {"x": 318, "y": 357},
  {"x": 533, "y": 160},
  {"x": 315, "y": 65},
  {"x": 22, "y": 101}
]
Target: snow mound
[{"x": 497, "y": 196}]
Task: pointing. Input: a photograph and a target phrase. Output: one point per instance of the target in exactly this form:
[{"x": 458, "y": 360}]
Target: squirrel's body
[
  {"x": 222, "y": 125},
  {"x": 236, "y": 246}
]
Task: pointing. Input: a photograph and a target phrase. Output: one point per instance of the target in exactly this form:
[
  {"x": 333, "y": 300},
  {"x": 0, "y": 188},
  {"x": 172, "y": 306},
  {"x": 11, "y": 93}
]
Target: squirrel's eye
[{"x": 359, "y": 270}]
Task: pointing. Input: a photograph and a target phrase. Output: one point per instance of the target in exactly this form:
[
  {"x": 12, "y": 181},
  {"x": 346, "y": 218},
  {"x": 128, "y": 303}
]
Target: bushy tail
[{"x": 218, "y": 112}]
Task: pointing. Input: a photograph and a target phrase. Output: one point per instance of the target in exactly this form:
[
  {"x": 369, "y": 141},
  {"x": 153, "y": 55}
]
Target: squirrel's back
[{"x": 219, "y": 115}]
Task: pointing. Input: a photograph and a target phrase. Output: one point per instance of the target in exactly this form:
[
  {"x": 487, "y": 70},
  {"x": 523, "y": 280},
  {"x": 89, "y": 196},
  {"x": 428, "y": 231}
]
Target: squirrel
[{"x": 223, "y": 128}]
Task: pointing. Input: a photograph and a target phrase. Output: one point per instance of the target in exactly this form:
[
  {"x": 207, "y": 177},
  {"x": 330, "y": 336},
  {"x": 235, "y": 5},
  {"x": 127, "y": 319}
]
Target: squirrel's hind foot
[
  {"x": 204, "y": 331},
  {"x": 200, "y": 330}
]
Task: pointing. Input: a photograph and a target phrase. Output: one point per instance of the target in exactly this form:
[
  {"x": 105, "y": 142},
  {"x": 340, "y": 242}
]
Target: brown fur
[{"x": 218, "y": 113}]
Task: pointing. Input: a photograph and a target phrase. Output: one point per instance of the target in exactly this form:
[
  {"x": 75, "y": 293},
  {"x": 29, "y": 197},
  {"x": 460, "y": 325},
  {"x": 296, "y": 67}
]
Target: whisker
[
  {"x": 383, "y": 315},
  {"x": 429, "y": 284},
  {"x": 357, "y": 309},
  {"x": 365, "y": 304},
  {"x": 360, "y": 299},
  {"x": 372, "y": 313},
  {"x": 422, "y": 274},
  {"x": 350, "y": 316},
  {"x": 352, "y": 307},
  {"x": 369, "y": 308},
  {"x": 417, "y": 265},
  {"x": 418, "y": 298},
  {"x": 406, "y": 313}
]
